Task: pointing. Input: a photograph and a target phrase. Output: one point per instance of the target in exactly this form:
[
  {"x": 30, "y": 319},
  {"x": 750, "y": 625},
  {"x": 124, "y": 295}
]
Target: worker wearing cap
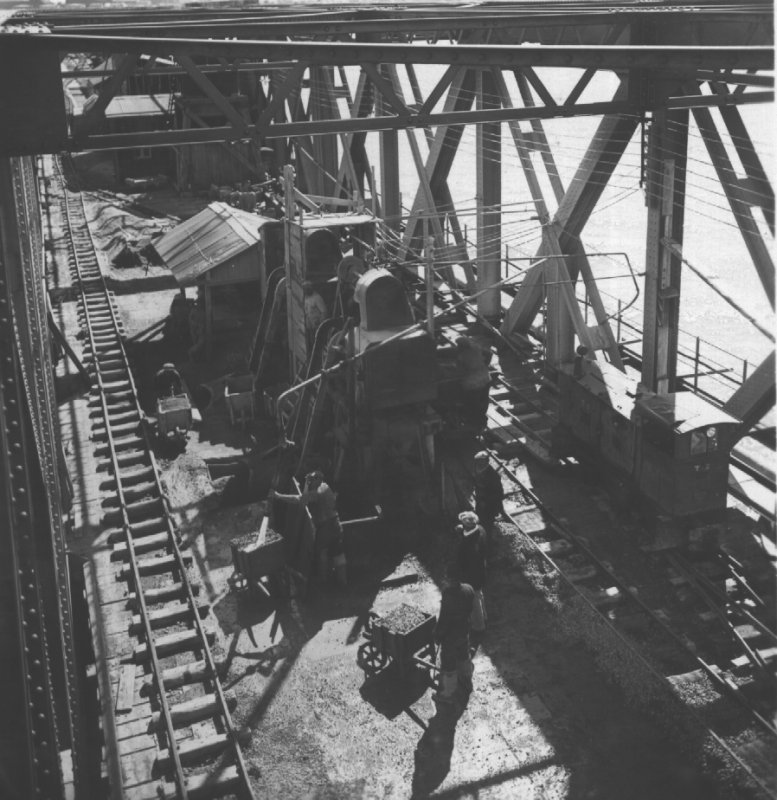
[
  {"x": 321, "y": 501},
  {"x": 489, "y": 494},
  {"x": 471, "y": 559},
  {"x": 452, "y": 634},
  {"x": 168, "y": 382}
]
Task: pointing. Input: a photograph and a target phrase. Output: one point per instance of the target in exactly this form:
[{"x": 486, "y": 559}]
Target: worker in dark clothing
[
  {"x": 168, "y": 382},
  {"x": 471, "y": 559},
  {"x": 452, "y": 635},
  {"x": 489, "y": 494},
  {"x": 321, "y": 501},
  {"x": 473, "y": 361}
]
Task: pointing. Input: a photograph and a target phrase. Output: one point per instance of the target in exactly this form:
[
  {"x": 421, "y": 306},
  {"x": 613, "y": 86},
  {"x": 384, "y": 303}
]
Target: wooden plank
[{"x": 124, "y": 697}]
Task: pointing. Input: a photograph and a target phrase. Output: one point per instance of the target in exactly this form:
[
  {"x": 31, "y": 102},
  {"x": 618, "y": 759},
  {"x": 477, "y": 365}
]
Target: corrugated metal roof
[
  {"x": 215, "y": 235},
  {"x": 138, "y": 105}
]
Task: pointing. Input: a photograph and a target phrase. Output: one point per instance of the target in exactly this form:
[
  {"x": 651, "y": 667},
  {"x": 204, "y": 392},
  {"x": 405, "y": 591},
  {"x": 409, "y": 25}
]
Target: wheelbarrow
[
  {"x": 259, "y": 562},
  {"x": 403, "y": 638}
]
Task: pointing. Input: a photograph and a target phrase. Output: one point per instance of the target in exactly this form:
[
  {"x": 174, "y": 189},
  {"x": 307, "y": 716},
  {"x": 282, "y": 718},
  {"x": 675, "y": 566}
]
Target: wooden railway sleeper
[
  {"x": 132, "y": 494},
  {"x": 145, "y": 509},
  {"x": 155, "y": 565},
  {"x": 148, "y": 527},
  {"x": 105, "y": 364},
  {"x": 122, "y": 445},
  {"x": 117, "y": 411},
  {"x": 118, "y": 422},
  {"x": 172, "y": 643},
  {"x": 194, "y": 750},
  {"x": 163, "y": 594},
  {"x": 169, "y": 615},
  {"x": 112, "y": 375},
  {"x": 125, "y": 460},
  {"x": 113, "y": 387},
  {"x": 195, "y": 710},
  {"x": 121, "y": 428},
  {"x": 206, "y": 786},
  {"x": 183, "y": 675},
  {"x": 125, "y": 429},
  {"x": 144, "y": 544}
]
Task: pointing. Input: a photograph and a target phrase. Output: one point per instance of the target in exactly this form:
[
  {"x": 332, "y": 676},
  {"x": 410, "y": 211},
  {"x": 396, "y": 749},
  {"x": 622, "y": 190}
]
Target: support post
[
  {"x": 666, "y": 205},
  {"x": 429, "y": 248},
  {"x": 323, "y": 106},
  {"x": 389, "y": 169},
  {"x": 489, "y": 199}
]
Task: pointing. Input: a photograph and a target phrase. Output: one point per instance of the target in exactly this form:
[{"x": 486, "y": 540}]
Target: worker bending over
[
  {"x": 471, "y": 558},
  {"x": 489, "y": 494},
  {"x": 452, "y": 634},
  {"x": 168, "y": 382},
  {"x": 321, "y": 501}
]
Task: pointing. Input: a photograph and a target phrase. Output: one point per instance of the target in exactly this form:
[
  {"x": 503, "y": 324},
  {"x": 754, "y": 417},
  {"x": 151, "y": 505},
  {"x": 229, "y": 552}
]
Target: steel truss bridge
[{"x": 321, "y": 79}]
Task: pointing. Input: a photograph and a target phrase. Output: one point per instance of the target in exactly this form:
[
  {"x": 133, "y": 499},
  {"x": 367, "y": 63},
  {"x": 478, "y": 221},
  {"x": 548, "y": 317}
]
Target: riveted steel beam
[
  {"x": 665, "y": 58},
  {"x": 663, "y": 267}
]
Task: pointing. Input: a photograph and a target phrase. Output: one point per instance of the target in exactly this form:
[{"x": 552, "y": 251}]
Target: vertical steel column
[
  {"x": 323, "y": 106},
  {"x": 32, "y": 487},
  {"x": 389, "y": 164},
  {"x": 488, "y": 171},
  {"x": 666, "y": 209}
]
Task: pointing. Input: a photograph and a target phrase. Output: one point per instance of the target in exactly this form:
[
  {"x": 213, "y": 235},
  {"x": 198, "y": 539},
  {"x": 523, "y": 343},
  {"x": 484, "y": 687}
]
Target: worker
[
  {"x": 471, "y": 558},
  {"x": 197, "y": 328},
  {"x": 473, "y": 361},
  {"x": 321, "y": 501},
  {"x": 489, "y": 494},
  {"x": 315, "y": 311},
  {"x": 168, "y": 382},
  {"x": 581, "y": 355},
  {"x": 451, "y": 633}
]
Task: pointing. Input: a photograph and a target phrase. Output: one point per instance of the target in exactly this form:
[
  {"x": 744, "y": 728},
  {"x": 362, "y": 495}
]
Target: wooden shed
[{"x": 227, "y": 254}]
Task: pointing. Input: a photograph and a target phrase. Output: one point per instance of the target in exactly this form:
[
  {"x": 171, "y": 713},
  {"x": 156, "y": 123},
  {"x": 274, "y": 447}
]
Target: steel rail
[
  {"x": 567, "y": 533},
  {"x": 180, "y": 565}
]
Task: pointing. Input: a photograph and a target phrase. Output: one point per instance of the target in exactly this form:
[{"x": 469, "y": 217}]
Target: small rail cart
[
  {"x": 403, "y": 637},
  {"x": 174, "y": 417}
]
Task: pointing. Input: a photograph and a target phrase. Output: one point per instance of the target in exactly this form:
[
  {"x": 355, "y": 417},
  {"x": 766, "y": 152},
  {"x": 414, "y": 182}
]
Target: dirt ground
[{"x": 542, "y": 722}]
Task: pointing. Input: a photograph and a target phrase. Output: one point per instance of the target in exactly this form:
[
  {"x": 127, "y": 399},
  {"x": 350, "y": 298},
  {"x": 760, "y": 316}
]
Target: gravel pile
[
  {"x": 249, "y": 540},
  {"x": 403, "y": 618}
]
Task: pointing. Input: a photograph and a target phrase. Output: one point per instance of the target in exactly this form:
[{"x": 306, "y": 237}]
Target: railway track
[
  {"x": 180, "y": 677},
  {"x": 681, "y": 617},
  {"x": 698, "y": 620}
]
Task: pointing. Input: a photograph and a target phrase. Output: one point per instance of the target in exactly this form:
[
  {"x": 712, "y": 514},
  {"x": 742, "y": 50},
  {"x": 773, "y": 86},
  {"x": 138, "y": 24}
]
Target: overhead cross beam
[
  {"x": 738, "y": 199},
  {"x": 664, "y": 58}
]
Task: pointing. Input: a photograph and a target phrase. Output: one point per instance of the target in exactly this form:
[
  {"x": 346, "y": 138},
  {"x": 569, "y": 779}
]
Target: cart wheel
[{"x": 370, "y": 658}]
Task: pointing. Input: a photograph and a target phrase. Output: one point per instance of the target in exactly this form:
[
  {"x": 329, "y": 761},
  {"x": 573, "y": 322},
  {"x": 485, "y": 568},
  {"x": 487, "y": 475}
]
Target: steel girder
[
  {"x": 34, "y": 492},
  {"x": 664, "y": 58},
  {"x": 552, "y": 23}
]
